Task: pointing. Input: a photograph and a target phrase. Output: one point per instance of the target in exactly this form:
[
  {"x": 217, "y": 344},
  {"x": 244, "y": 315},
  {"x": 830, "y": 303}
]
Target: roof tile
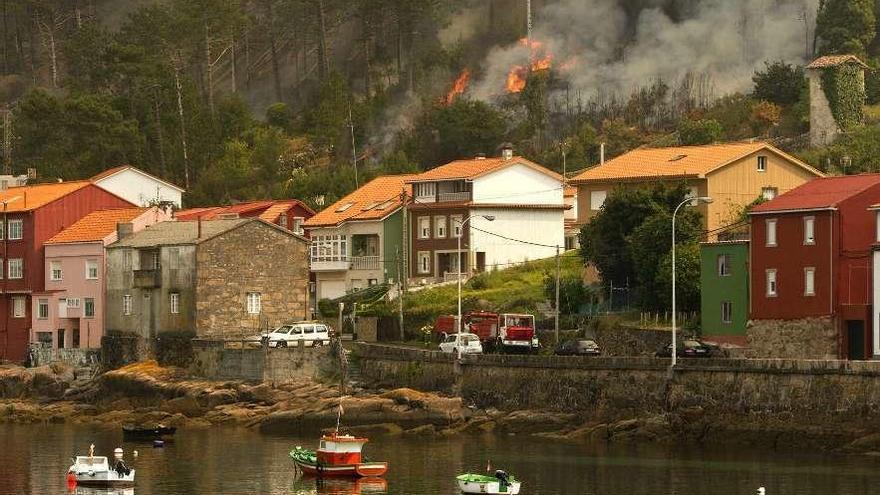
[
  {"x": 383, "y": 193},
  {"x": 476, "y": 167},
  {"x": 825, "y": 192},
  {"x": 96, "y": 225},
  {"x": 27, "y": 198}
]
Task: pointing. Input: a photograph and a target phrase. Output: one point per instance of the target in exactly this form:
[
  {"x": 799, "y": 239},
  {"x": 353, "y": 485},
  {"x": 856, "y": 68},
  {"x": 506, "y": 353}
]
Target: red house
[
  {"x": 29, "y": 216},
  {"x": 810, "y": 268},
  {"x": 288, "y": 213}
]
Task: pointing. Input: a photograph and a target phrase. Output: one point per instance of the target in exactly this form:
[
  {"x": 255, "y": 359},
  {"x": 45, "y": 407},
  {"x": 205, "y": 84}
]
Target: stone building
[
  {"x": 824, "y": 126},
  {"x": 220, "y": 278}
]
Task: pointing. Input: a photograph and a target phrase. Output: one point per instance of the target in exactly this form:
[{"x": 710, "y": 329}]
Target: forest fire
[
  {"x": 539, "y": 60},
  {"x": 458, "y": 87}
]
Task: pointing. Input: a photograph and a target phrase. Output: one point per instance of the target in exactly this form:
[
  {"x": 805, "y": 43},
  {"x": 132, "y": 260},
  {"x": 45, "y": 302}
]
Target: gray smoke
[{"x": 606, "y": 48}]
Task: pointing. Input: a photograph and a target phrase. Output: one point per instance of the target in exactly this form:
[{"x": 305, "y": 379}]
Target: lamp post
[
  {"x": 689, "y": 202},
  {"x": 458, "y": 253}
]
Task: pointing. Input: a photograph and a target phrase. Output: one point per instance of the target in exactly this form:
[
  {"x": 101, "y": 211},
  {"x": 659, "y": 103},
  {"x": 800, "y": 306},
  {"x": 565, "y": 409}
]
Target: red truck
[{"x": 505, "y": 331}]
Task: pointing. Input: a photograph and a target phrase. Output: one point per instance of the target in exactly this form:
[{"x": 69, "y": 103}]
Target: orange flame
[
  {"x": 539, "y": 59},
  {"x": 516, "y": 79},
  {"x": 458, "y": 87}
]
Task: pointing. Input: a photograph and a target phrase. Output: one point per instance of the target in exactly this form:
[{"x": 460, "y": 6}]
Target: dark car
[
  {"x": 687, "y": 348},
  {"x": 582, "y": 347}
]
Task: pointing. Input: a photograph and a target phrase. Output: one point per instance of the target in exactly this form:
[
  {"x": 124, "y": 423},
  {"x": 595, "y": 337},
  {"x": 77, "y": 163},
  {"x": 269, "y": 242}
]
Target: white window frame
[
  {"x": 762, "y": 163},
  {"x": 19, "y": 307},
  {"x": 56, "y": 271},
  {"x": 331, "y": 247},
  {"x": 73, "y": 302},
  {"x": 424, "y": 229},
  {"x": 86, "y": 313},
  {"x": 126, "y": 305},
  {"x": 809, "y": 231},
  {"x": 726, "y": 316},
  {"x": 809, "y": 281},
  {"x": 424, "y": 259},
  {"x": 15, "y": 268},
  {"x": 297, "y": 224},
  {"x": 173, "y": 258},
  {"x": 174, "y": 303},
  {"x": 770, "y": 228},
  {"x": 723, "y": 261},
  {"x": 42, "y": 304},
  {"x": 254, "y": 302},
  {"x": 771, "y": 283},
  {"x": 126, "y": 259},
  {"x": 90, "y": 265},
  {"x": 440, "y": 227},
  {"x": 769, "y": 193},
  {"x": 456, "y": 220},
  {"x": 16, "y": 229},
  {"x": 597, "y": 199}
]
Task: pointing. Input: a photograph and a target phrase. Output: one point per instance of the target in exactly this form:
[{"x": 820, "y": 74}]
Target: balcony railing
[
  {"x": 364, "y": 262},
  {"x": 330, "y": 264},
  {"x": 147, "y": 279},
  {"x": 453, "y": 196}
]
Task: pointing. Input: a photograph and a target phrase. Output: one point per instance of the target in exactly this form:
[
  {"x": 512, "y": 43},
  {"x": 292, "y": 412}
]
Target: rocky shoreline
[{"x": 146, "y": 393}]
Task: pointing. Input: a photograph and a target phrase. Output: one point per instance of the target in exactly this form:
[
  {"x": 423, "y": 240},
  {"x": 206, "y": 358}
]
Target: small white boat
[
  {"x": 92, "y": 470},
  {"x": 481, "y": 483}
]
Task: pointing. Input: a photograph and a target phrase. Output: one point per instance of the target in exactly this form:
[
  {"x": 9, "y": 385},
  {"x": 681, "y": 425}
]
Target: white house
[
  {"x": 505, "y": 210},
  {"x": 137, "y": 186}
]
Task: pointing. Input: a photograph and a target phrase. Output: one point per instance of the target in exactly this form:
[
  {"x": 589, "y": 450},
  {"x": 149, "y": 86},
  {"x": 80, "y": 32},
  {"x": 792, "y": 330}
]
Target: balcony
[
  {"x": 147, "y": 279},
  {"x": 330, "y": 264},
  {"x": 453, "y": 196},
  {"x": 364, "y": 262}
]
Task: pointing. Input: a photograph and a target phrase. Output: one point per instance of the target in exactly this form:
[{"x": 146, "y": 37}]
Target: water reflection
[
  {"x": 80, "y": 490},
  {"x": 332, "y": 486}
]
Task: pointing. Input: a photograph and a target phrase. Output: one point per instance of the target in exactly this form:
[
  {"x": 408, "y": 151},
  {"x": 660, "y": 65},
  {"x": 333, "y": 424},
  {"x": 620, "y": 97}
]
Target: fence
[{"x": 41, "y": 355}]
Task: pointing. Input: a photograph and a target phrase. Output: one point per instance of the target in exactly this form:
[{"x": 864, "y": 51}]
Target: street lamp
[
  {"x": 458, "y": 254},
  {"x": 689, "y": 202}
]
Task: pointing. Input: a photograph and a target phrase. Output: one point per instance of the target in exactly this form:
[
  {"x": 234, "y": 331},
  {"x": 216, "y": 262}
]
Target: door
[
  {"x": 855, "y": 333},
  {"x": 60, "y": 338},
  {"x": 481, "y": 261}
]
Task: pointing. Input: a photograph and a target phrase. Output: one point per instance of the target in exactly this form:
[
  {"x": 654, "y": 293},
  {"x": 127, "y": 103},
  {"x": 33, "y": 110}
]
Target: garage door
[{"x": 331, "y": 289}]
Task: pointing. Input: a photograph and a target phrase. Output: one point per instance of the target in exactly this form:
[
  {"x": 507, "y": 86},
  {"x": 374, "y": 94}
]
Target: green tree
[
  {"x": 460, "y": 130},
  {"x": 846, "y": 26},
  {"x": 687, "y": 279},
  {"x": 779, "y": 83},
  {"x": 705, "y": 131}
]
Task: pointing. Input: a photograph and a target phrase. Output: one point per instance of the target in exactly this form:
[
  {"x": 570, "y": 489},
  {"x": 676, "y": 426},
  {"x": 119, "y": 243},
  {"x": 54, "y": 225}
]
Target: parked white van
[{"x": 313, "y": 333}]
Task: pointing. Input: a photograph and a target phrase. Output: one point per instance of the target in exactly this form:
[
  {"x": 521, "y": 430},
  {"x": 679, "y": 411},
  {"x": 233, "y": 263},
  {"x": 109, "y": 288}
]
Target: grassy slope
[{"x": 515, "y": 289}]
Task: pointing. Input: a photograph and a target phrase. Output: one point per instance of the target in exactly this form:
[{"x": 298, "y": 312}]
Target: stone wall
[
  {"x": 212, "y": 360},
  {"x": 809, "y": 338},
  {"x": 255, "y": 257},
  {"x": 621, "y": 340},
  {"x": 41, "y": 356},
  {"x": 803, "y": 392}
]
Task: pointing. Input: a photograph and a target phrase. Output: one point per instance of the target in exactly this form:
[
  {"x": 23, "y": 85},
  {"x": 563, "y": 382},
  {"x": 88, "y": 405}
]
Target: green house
[{"x": 724, "y": 285}]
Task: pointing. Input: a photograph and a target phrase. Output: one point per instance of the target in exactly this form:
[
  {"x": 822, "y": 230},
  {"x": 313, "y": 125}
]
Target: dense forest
[{"x": 242, "y": 99}]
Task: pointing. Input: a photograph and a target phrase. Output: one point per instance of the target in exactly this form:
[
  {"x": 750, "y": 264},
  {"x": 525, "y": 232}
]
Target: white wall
[
  {"x": 533, "y": 225},
  {"x": 139, "y": 188},
  {"x": 518, "y": 184},
  {"x": 333, "y": 284}
]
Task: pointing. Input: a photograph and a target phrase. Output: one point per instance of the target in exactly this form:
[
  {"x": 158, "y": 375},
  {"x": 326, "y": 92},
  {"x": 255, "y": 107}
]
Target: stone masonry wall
[
  {"x": 809, "y": 338},
  {"x": 255, "y": 257},
  {"x": 215, "y": 362}
]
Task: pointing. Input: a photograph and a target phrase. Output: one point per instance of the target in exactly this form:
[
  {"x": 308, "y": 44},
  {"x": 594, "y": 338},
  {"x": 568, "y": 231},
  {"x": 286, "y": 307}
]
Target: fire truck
[{"x": 497, "y": 331}]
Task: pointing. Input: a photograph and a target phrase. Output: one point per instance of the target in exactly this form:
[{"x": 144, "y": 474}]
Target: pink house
[{"x": 70, "y": 312}]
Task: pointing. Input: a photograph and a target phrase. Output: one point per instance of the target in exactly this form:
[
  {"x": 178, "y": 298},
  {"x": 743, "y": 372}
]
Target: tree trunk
[
  {"x": 323, "y": 63},
  {"x": 247, "y": 60},
  {"x": 5, "y": 37},
  {"x": 366, "y": 63},
  {"x": 232, "y": 60},
  {"x": 182, "y": 126},
  {"x": 276, "y": 72},
  {"x": 159, "y": 136},
  {"x": 209, "y": 67}
]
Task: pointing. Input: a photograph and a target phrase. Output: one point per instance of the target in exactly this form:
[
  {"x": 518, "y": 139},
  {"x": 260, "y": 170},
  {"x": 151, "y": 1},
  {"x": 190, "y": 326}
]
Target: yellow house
[{"x": 732, "y": 174}]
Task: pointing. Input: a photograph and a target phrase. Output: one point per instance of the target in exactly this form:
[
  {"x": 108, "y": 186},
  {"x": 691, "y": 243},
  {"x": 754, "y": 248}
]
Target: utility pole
[
  {"x": 404, "y": 251},
  {"x": 400, "y": 290},
  {"x": 354, "y": 160},
  {"x": 529, "y": 20},
  {"x": 7, "y": 141},
  {"x": 556, "y": 315}
]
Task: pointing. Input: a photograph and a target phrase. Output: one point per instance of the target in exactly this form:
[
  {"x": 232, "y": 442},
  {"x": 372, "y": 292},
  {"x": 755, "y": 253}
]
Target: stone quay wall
[
  {"x": 215, "y": 361},
  {"x": 609, "y": 388},
  {"x": 808, "y": 338}
]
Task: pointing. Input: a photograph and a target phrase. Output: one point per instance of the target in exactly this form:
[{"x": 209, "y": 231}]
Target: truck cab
[{"x": 517, "y": 331}]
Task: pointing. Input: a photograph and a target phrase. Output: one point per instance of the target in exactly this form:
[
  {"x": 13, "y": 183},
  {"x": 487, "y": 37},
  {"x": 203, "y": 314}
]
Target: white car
[
  {"x": 314, "y": 334},
  {"x": 461, "y": 343}
]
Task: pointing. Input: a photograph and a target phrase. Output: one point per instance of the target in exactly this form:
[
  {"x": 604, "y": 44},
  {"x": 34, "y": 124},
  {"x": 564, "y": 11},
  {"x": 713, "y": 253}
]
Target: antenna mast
[
  {"x": 354, "y": 160},
  {"x": 529, "y": 20}
]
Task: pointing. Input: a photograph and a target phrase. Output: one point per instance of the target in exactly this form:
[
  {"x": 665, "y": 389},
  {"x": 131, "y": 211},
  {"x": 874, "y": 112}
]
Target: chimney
[
  {"x": 123, "y": 230},
  {"x": 602, "y": 154},
  {"x": 506, "y": 151}
]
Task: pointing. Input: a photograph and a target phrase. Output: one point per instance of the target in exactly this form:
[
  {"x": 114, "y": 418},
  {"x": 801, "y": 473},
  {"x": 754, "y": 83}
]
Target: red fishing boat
[{"x": 337, "y": 455}]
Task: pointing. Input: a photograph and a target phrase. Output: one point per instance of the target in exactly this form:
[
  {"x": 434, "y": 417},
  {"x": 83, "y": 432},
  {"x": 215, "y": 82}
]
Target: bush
[
  {"x": 704, "y": 131},
  {"x": 779, "y": 83},
  {"x": 175, "y": 348}
]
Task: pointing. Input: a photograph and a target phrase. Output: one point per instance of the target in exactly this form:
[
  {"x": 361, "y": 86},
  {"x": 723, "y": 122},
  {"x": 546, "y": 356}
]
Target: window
[
  {"x": 73, "y": 302},
  {"x": 173, "y": 258},
  {"x": 424, "y": 262},
  {"x": 298, "y": 224},
  {"x": 455, "y": 225},
  {"x": 771, "y": 283},
  {"x": 91, "y": 269},
  {"x": 126, "y": 304},
  {"x": 424, "y": 227},
  {"x": 344, "y": 207},
  {"x": 2, "y": 230},
  {"x": 16, "y": 229},
  {"x": 126, "y": 259},
  {"x": 15, "y": 268},
  {"x": 19, "y": 309},
  {"x": 692, "y": 192},
  {"x": 597, "y": 199},
  {"x": 45, "y": 338},
  {"x": 723, "y": 265},
  {"x": 809, "y": 281},
  {"x": 771, "y": 233},
  {"x": 43, "y": 309},
  {"x": 762, "y": 164},
  {"x": 254, "y": 302},
  {"x": 55, "y": 273},
  {"x": 426, "y": 190},
  {"x": 174, "y": 302},
  {"x": 726, "y": 312},
  {"x": 440, "y": 227},
  {"x": 329, "y": 248},
  {"x": 89, "y": 307},
  {"x": 809, "y": 230},
  {"x": 155, "y": 262},
  {"x": 372, "y": 281},
  {"x": 768, "y": 193}
]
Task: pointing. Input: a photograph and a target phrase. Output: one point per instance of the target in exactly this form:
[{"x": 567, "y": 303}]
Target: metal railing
[
  {"x": 454, "y": 196},
  {"x": 364, "y": 262}
]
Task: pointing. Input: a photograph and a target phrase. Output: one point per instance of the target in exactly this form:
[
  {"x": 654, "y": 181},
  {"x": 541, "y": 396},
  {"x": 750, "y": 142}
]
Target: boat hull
[
  {"x": 488, "y": 487},
  {"x": 105, "y": 479},
  {"x": 362, "y": 470}
]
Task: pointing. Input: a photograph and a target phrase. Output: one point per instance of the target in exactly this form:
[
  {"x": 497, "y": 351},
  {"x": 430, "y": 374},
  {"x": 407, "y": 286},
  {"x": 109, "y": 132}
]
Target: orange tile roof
[
  {"x": 273, "y": 212},
  {"x": 677, "y": 162},
  {"x": 476, "y": 167},
  {"x": 365, "y": 202},
  {"x": 835, "y": 60},
  {"x": 194, "y": 213},
  {"x": 26, "y": 198},
  {"x": 96, "y": 225}
]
